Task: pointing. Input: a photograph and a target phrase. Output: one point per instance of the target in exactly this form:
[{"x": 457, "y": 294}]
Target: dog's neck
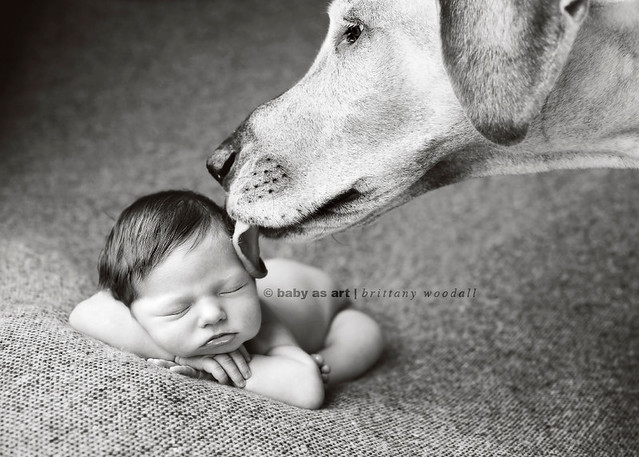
[
  {"x": 595, "y": 105},
  {"x": 590, "y": 120}
]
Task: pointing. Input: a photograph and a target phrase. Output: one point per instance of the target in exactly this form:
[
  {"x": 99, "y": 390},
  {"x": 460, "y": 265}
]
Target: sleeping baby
[{"x": 178, "y": 287}]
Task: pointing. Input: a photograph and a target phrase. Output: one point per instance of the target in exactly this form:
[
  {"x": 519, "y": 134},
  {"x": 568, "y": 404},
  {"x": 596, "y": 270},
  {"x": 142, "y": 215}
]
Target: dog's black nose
[{"x": 222, "y": 159}]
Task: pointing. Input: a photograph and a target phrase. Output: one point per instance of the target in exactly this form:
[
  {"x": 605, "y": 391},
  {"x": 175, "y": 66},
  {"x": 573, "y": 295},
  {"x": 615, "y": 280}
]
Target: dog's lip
[
  {"x": 281, "y": 232},
  {"x": 333, "y": 208}
]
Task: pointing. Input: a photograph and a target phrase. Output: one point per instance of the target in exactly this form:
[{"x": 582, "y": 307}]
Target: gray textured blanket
[{"x": 105, "y": 101}]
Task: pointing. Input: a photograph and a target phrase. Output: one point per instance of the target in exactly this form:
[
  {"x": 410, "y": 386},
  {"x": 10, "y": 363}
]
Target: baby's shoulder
[{"x": 273, "y": 331}]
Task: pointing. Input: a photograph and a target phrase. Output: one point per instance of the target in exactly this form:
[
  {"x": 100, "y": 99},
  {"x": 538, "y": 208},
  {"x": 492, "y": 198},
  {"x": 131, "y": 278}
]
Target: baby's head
[
  {"x": 171, "y": 259},
  {"x": 148, "y": 230}
]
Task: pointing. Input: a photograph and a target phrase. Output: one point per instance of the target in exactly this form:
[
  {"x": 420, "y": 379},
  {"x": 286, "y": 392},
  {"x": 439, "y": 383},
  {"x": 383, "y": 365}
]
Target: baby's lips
[{"x": 246, "y": 244}]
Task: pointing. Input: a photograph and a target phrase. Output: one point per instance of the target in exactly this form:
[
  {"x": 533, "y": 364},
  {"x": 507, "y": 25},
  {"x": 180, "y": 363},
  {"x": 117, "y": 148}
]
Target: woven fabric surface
[{"x": 108, "y": 101}]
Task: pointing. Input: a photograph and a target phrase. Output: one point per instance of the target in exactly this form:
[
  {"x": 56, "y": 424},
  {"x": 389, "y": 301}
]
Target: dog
[{"x": 406, "y": 96}]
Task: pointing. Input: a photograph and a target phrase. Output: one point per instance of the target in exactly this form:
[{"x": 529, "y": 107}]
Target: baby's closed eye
[
  {"x": 232, "y": 289},
  {"x": 177, "y": 307},
  {"x": 178, "y": 311}
]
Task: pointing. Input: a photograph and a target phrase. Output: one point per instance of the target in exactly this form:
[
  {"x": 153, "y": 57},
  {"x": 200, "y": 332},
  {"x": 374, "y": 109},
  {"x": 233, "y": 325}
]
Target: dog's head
[{"x": 398, "y": 88}]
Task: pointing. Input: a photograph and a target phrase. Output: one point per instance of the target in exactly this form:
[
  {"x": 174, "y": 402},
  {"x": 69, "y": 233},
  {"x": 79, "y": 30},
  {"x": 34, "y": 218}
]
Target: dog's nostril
[
  {"x": 228, "y": 164},
  {"x": 219, "y": 173}
]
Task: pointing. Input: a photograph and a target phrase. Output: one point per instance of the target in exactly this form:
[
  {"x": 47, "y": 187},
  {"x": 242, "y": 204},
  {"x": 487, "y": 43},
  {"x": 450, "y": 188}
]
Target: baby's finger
[
  {"x": 231, "y": 369},
  {"x": 212, "y": 367},
  {"x": 244, "y": 353},
  {"x": 162, "y": 363},
  {"x": 193, "y": 362},
  {"x": 241, "y": 363},
  {"x": 186, "y": 371}
]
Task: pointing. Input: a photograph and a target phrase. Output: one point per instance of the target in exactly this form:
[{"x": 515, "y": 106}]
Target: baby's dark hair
[{"x": 149, "y": 230}]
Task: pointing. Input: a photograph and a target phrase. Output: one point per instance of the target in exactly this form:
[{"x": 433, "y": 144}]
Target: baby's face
[{"x": 199, "y": 301}]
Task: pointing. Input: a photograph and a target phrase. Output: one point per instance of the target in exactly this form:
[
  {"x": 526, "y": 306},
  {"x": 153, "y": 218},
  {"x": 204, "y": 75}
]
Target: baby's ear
[{"x": 247, "y": 248}]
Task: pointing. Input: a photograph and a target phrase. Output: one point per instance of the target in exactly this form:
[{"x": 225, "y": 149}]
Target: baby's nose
[{"x": 210, "y": 312}]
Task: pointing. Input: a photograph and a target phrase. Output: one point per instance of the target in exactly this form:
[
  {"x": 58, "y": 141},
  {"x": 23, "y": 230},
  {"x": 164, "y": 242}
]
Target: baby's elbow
[
  {"x": 83, "y": 315},
  {"x": 77, "y": 318}
]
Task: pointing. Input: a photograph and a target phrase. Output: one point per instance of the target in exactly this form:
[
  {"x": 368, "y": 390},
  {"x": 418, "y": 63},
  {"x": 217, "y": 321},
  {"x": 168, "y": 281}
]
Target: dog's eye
[{"x": 353, "y": 32}]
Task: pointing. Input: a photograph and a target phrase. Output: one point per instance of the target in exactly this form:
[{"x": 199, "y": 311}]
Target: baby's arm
[
  {"x": 284, "y": 372},
  {"x": 110, "y": 321},
  {"x": 280, "y": 369},
  {"x": 287, "y": 374}
]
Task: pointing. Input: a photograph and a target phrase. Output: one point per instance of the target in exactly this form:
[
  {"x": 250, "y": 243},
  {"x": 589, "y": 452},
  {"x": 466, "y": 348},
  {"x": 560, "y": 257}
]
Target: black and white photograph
[{"x": 319, "y": 228}]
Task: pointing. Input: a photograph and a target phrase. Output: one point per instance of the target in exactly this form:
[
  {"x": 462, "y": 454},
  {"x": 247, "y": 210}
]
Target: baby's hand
[
  {"x": 180, "y": 369},
  {"x": 224, "y": 368}
]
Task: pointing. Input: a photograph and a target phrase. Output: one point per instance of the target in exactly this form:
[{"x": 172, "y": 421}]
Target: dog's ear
[{"x": 504, "y": 57}]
